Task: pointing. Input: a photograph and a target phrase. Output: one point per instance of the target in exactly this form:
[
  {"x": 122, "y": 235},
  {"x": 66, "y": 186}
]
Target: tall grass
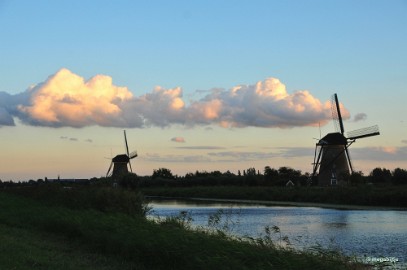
[
  {"x": 139, "y": 243},
  {"x": 361, "y": 195},
  {"x": 105, "y": 199}
]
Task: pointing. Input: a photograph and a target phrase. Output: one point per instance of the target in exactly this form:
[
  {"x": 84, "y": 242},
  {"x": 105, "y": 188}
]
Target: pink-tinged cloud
[
  {"x": 178, "y": 139},
  {"x": 264, "y": 104},
  {"x": 67, "y": 99}
]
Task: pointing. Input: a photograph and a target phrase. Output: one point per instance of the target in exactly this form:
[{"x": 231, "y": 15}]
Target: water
[{"x": 370, "y": 234}]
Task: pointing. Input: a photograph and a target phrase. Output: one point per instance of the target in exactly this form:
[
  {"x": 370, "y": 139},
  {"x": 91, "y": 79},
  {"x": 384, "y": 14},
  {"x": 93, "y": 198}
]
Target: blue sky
[{"x": 197, "y": 52}]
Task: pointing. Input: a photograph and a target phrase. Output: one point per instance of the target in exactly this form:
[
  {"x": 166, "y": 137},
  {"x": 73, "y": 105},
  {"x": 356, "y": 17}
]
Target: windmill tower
[
  {"x": 331, "y": 158},
  {"x": 120, "y": 162}
]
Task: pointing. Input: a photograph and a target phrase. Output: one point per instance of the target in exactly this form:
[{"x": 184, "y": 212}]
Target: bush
[{"x": 105, "y": 199}]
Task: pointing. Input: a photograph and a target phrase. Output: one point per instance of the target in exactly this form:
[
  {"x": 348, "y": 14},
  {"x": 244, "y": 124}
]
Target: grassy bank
[
  {"x": 39, "y": 230},
  {"x": 392, "y": 196}
]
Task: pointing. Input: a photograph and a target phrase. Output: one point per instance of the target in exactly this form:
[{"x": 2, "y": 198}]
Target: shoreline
[{"x": 285, "y": 203}]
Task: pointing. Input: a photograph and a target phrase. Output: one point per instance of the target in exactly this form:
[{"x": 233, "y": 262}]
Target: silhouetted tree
[
  {"x": 270, "y": 175},
  {"x": 399, "y": 176},
  {"x": 251, "y": 171},
  {"x": 356, "y": 178},
  {"x": 287, "y": 173},
  {"x": 163, "y": 173},
  {"x": 128, "y": 180},
  {"x": 379, "y": 175}
]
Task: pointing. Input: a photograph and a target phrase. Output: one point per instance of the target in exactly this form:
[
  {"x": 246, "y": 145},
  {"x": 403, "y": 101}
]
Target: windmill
[
  {"x": 331, "y": 158},
  {"x": 119, "y": 162}
]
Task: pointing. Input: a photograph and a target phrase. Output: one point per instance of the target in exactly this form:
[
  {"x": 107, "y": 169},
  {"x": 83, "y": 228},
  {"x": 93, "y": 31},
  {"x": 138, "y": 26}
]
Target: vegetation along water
[{"x": 91, "y": 227}]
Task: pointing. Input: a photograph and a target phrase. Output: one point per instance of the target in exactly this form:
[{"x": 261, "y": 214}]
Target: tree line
[
  {"x": 270, "y": 177},
  {"x": 249, "y": 177}
]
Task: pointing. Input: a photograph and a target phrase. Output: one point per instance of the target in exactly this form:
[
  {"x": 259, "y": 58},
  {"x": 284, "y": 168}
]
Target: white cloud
[
  {"x": 264, "y": 104},
  {"x": 67, "y": 99}
]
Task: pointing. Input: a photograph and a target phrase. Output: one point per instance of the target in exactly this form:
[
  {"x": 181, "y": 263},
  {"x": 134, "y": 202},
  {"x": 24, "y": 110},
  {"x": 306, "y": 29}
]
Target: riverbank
[
  {"x": 279, "y": 203},
  {"x": 363, "y": 197},
  {"x": 40, "y": 228}
]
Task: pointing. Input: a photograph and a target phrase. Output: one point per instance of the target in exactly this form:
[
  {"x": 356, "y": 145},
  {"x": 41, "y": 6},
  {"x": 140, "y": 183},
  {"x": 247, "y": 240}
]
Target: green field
[
  {"x": 102, "y": 228},
  {"x": 388, "y": 196}
]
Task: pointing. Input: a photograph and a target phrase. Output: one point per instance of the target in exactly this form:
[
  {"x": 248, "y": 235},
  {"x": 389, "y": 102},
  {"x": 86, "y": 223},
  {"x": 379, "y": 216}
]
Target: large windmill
[
  {"x": 119, "y": 162},
  {"x": 331, "y": 158}
]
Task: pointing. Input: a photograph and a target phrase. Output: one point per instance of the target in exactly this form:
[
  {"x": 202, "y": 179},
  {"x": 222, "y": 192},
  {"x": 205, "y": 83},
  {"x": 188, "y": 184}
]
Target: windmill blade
[
  {"x": 336, "y": 114},
  {"x": 125, "y": 140},
  {"x": 108, "y": 171},
  {"x": 317, "y": 159},
  {"x": 133, "y": 154},
  {"x": 131, "y": 170},
  {"x": 349, "y": 159},
  {"x": 363, "y": 133}
]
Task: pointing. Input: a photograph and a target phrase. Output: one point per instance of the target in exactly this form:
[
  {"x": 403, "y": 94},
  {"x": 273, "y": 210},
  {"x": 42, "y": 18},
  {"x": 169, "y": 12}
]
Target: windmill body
[
  {"x": 332, "y": 163},
  {"x": 120, "y": 163}
]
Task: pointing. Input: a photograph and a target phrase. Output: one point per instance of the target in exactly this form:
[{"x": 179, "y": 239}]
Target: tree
[
  {"x": 163, "y": 173},
  {"x": 286, "y": 173},
  {"x": 129, "y": 180},
  {"x": 270, "y": 175},
  {"x": 251, "y": 177},
  {"x": 399, "y": 176},
  {"x": 251, "y": 172},
  {"x": 379, "y": 175},
  {"x": 356, "y": 178}
]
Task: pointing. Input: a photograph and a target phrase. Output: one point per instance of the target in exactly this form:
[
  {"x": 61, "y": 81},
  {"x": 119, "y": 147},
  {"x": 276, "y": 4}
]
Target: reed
[{"x": 104, "y": 238}]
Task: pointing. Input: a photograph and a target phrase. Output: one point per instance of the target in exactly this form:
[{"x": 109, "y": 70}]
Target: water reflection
[{"x": 371, "y": 233}]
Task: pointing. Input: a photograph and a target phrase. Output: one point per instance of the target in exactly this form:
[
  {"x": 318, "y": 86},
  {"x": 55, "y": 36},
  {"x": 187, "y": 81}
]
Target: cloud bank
[{"x": 66, "y": 99}]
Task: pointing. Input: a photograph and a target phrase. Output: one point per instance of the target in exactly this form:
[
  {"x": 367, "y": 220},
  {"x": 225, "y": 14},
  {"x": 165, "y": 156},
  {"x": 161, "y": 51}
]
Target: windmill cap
[
  {"x": 121, "y": 158},
  {"x": 335, "y": 138}
]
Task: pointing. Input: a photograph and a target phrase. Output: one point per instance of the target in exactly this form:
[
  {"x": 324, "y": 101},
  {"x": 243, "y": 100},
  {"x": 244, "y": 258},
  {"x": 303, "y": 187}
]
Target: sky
[{"x": 197, "y": 85}]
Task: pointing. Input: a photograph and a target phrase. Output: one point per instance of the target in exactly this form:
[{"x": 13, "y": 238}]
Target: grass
[
  {"x": 393, "y": 196},
  {"x": 37, "y": 233}
]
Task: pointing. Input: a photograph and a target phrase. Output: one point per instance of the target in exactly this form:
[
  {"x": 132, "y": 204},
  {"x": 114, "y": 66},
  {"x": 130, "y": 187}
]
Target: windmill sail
[
  {"x": 336, "y": 114},
  {"x": 127, "y": 149},
  {"x": 133, "y": 155},
  {"x": 363, "y": 132}
]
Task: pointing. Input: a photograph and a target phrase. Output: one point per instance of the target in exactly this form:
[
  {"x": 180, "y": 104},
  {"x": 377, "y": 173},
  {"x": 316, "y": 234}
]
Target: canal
[{"x": 373, "y": 235}]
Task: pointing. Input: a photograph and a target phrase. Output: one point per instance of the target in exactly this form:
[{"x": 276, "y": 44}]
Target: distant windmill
[
  {"x": 331, "y": 158},
  {"x": 119, "y": 162}
]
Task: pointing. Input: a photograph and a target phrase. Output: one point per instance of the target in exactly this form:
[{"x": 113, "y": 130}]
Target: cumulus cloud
[
  {"x": 404, "y": 141},
  {"x": 67, "y": 99},
  {"x": 360, "y": 117},
  {"x": 178, "y": 139},
  {"x": 5, "y": 118},
  {"x": 264, "y": 104}
]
